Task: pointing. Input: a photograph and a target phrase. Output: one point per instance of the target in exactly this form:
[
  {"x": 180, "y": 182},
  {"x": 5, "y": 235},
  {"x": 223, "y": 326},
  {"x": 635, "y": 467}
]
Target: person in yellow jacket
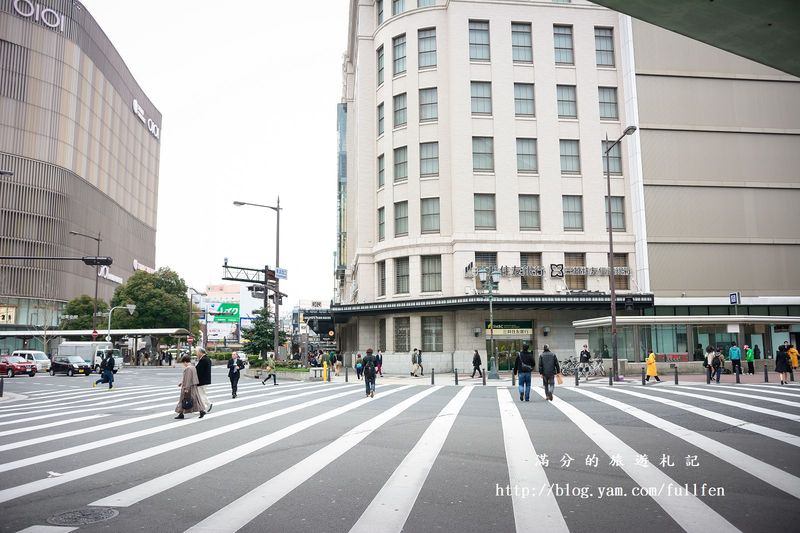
[
  {"x": 652, "y": 370},
  {"x": 793, "y": 356}
]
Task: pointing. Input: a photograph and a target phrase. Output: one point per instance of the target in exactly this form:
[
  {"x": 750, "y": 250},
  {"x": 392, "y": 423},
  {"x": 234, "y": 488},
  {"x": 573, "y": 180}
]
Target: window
[
  {"x": 575, "y": 281},
  {"x": 526, "y": 155},
  {"x": 379, "y": 61},
  {"x": 427, "y": 47},
  {"x": 621, "y": 281},
  {"x": 381, "y": 224},
  {"x": 570, "y": 156},
  {"x": 399, "y": 47},
  {"x": 530, "y": 282},
  {"x": 567, "y": 101},
  {"x": 487, "y": 260},
  {"x": 426, "y": 3},
  {"x": 402, "y": 334},
  {"x": 521, "y": 43},
  {"x": 481, "y": 93},
  {"x": 381, "y": 170},
  {"x": 573, "y": 212},
  {"x": 482, "y": 154},
  {"x": 398, "y": 6},
  {"x": 429, "y": 215},
  {"x": 380, "y": 119},
  {"x": 529, "y": 212},
  {"x": 429, "y": 159},
  {"x": 479, "y": 40},
  {"x": 400, "y": 112},
  {"x": 484, "y": 211},
  {"x": 400, "y": 163},
  {"x": 381, "y": 278},
  {"x": 379, "y": 5},
  {"x": 401, "y": 219},
  {"x": 401, "y": 275},
  {"x": 617, "y": 213},
  {"x": 562, "y": 37},
  {"x": 604, "y": 46},
  {"x": 382, "y": 334},
  {"x": 614, "y": 160},
  {"x": 428, "y": 104},
  {"x": 432, "y": 334},
  {"x": 431, "y": 273},
  {"x": 523, "y": 100},
  {"x": 608, "y": 102}
]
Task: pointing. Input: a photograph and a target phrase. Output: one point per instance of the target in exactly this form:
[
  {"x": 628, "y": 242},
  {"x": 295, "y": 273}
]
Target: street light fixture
[
  {"x": 611, "y": 281},
  {"x": 483, "y": 274},
  {"x": 130, "y": 307},
  {"x": 277, "y": 209},
  {"x": 96, "y": 273}
]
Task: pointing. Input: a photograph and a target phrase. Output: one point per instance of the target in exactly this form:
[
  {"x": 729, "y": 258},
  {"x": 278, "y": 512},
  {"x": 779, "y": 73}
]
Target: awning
[
  {"x": 684, "y": 319},
  {"x": 101, "y": 332}
]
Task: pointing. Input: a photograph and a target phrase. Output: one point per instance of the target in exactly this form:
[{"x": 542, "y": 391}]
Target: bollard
[
  {"x": 643, "y": 381},
  {"x": 791, "y": 374},
  {"x": 708, "y": 375},
  {"x": 766, "y": 373},
  {"x": 2, "y": 384},
  {"x": 483, "y": 375},
  {"x": 738, "y": 372},
  {"x": 513, "y": 379},
  {"x": 455, "y": 374},
  {"x": 346, "y": 376},
  {"x": 577, "y": 379},
  {"x": 610, "y": 380},
  {"x": 433, "y": 371},
  {"x": 676, "y": 374}
]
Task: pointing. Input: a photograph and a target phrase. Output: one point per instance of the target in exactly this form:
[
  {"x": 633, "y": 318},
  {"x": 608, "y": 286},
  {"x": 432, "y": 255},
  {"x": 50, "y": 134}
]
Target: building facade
[
  {"x": 474, "y": 138},
  {"x": 81, "y": 140}
]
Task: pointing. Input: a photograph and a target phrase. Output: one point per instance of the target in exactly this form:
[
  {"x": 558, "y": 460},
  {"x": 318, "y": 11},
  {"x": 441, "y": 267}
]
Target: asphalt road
[{"x": 321, "y": 457}]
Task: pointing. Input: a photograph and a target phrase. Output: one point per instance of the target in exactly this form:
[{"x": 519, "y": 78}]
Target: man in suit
[
  {"x": 203, "y": 368},
  {"x": 235, "y": 367},
  {"x": 548, "y": 368}
]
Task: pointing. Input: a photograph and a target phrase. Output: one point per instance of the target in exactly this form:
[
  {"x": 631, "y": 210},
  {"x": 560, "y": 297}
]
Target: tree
[
  {"x": 261, "y": 336},
  {"x": 82, "y": 308},
  {"x": 160, "y": 299}
]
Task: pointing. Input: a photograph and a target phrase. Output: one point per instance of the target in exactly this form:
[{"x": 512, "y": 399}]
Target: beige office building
[{"x": 471, "y": 136}]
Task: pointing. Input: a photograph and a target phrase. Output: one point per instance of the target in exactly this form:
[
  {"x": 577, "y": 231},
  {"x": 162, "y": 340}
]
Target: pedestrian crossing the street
[{"x": 323, "y": 457}]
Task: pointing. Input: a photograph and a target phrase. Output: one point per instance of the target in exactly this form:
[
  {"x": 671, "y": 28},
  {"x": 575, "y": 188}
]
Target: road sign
[
  {"x": 108, "y": 338},
  {"x": 735, "y": 298},
  {"x": 190, "y": 338},
  {"x": 281, "y": 273},
  {"x": 94, "y": 334}
]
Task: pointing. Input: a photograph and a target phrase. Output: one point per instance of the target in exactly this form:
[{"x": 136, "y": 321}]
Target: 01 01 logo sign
[{"x": 39, "y": 13}]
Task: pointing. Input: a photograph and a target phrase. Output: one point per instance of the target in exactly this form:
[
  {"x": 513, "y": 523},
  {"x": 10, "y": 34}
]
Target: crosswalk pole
[
  {"x": 676, "y": 374},
  {"x": 766, "y": 373},
  {"x": 643, "y": 381},
  {"x": 737, "y": 374}
]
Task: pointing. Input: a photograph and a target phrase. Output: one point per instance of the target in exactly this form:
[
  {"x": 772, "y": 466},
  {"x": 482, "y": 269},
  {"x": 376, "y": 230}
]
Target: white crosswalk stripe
[
  {"x": 764, "y": 390},
  {"x": 741, "y": 405},
  {"x": 745, "y": 395},
  {"x": 40, "y": 427}
]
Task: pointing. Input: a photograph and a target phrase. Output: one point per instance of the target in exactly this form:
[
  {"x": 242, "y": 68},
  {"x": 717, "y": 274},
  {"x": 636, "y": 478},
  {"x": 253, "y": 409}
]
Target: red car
[{"x": 11, "y": 365}]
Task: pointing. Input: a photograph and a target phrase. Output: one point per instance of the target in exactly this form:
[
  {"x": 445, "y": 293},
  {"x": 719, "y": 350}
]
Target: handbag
[
  {"x": 559, "y": 379},
  {"x": 187, "y": 402}
]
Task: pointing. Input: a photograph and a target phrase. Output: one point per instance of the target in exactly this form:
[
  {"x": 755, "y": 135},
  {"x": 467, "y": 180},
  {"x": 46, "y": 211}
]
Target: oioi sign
[
  {"x": 155, "y": 129},
  {"x": 49, "y": 17}
]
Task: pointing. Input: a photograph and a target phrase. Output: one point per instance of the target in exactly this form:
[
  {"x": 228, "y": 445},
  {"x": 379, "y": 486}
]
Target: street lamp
[
  {"x": 191, "y": 302},
  {"x": 611, "y": 281},
  {"x": 96, "y": 273},
  {"x": 483, "y": 274},
  {"x": 277, "y": 209},
  {"x": 130, "y": 307}
]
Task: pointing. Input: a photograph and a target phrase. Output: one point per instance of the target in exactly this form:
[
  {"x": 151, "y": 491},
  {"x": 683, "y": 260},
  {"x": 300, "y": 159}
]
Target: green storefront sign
[
  {"x": 226, "y": 312},
  {"x": 510, "y": 328}
]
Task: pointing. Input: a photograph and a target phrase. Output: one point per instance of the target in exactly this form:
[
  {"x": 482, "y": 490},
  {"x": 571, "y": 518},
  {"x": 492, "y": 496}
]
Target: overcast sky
[{"x": 248, "y": 91}]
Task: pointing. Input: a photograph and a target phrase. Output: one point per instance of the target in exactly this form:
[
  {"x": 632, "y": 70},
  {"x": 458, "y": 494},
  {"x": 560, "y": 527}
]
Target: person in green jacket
[{"x": 749, "y": 357}]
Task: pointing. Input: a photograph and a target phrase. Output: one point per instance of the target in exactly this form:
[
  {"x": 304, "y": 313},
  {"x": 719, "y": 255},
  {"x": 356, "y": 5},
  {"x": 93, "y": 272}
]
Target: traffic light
[{"x": 94, "y": 260}]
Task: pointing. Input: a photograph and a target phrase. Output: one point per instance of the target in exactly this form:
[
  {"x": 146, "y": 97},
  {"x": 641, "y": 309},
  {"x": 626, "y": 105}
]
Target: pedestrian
[
  {"x": 379, "y": 362},
  {"x": 414, "y": 363},
  {"x": 735, "y": 355},
  {"x": 270, "y": 368},
  {"x": 548, "y": 368},
  {"x": 203, "y": 368},
  {"x": 748, "y": 355},
  {"x": 709, "y": 359},
  {"x": 476, "y": 364},
  {"x": 235, "y": 366},
  {"x": 189, "y": 401},
  {"x": 139, "y": 358},
  {"x": 585, "y": 357},
  {"x": 169, "y": 359},
  {"x": 717, "y": 362},
  {"x": 523, "y": 367},
  {"x": 782, "y": 363},
  {"x": 793, "y": 355},
  {"x": 339, "y": 362},
  {"x": 369, "y": 373},
  {"x": 332, "y": 362},
  {"x": 106, "y": 370},
  {"x": 419, "y": 362},
  {"x": 652, "y": 368},
  {"x": 359, "y": 366}
]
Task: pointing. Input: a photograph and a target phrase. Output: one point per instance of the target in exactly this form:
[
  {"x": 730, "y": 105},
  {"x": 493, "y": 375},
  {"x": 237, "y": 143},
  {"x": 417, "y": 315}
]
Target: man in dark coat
[
  {"x": 203, "y": 368},
  {"x": 369, "y": 372},
  {"x": 585, "y": 358},
  {"x": 523, "y": 367},
  {"x": 548, "y": 368},
  {"x": 235, "y": 367},
  {"x": 476, "y": 364}
]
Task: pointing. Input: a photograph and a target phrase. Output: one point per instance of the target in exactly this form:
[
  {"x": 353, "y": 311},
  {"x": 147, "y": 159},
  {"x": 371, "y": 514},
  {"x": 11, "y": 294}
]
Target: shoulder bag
[{"x": 187, "y": 402}]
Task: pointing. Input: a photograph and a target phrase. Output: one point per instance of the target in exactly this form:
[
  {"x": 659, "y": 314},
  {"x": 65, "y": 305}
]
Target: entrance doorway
[{"x": 507, "y": 351}]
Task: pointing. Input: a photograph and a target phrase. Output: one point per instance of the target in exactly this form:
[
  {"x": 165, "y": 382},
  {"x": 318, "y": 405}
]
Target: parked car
[
  {"x": 36, "y": 357},
  {"x": 11, "y": 365},
  {"x": 69, "y": 365}
]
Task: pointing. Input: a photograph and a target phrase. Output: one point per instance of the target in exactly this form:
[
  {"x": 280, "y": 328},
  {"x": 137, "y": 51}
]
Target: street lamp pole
[
  {"x": 191, "y": 302},
  {"x": 130, "y": 307},
  {"x": 494, "y": 278},
  {"x": 96, "y": 272},
  {"x": 611, "y": 280}
]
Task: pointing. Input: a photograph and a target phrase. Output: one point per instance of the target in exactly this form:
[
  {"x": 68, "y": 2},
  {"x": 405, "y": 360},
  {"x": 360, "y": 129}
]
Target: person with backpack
[
  {"x": 369, "y": 373},
  {"x": 106, "y": 370},
  {"x": 735, "y": 355},
  {"x": 717, "y": 361},
  {"x": 379, "y": 362},
  {"x": 749, "y": 357},
  {"x": 419, "y": 362},
  {"x": 476, "y": 364},
  {"x": 414, "y": 363},
  {"x": 359, "y": 366},
  {"x": 270, "y": 368},
  {"x": 548, "y": 368},
  {"x": 332, "y": 362},
  {"x": 523, "y": 369}
]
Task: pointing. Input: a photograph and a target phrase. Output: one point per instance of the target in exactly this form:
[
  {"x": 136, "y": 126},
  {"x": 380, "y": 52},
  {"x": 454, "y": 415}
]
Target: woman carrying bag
[
  {"x": 652, "y": 368},
  {"x": 190, "y": 401}
]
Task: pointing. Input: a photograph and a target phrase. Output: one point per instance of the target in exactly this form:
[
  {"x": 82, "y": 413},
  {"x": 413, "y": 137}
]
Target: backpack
[{"x": 369, "y": 367}]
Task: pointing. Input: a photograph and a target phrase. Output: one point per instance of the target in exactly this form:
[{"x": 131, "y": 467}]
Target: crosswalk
[{"x": 323, "y": 457}]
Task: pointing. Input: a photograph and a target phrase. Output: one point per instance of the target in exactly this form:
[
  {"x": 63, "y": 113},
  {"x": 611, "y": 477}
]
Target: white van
[
  {"x": 91, "y": 352},
  {"x": 38, "y": 358}
]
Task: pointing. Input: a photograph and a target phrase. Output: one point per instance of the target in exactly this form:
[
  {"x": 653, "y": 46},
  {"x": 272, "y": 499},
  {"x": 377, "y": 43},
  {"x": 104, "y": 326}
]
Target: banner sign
[{"x": 508, "y": 328}]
